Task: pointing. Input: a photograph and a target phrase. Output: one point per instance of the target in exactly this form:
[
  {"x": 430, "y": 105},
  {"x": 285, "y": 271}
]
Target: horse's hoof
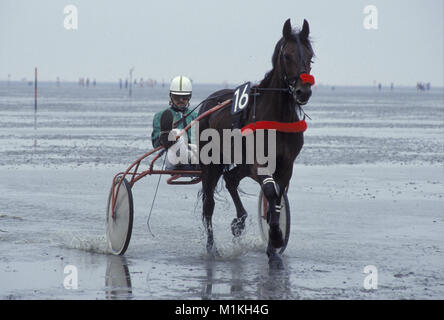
[
  {"x": 275, "y": 236},
  {"x": 237, "y": 226},
  {"x": 275, "y": 262}
]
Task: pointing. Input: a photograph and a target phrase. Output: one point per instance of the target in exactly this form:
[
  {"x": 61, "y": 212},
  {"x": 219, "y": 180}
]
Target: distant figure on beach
[
  {"x": 87, "y": 82},
  {"x": 391, "y": 86},
  {"x": 421, "y": 86},
  {"x": 379, "y": 87},
  {"x": 174, "y": 118},
  {"x": 120, "y": 83},
  {"x": 94, "y": 82},
  {"x": 126, "y": 83}
]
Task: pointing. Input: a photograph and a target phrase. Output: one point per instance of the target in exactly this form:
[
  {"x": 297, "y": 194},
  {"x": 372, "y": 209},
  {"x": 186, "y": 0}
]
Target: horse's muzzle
[
  {"x": 302, "y": 94},
  {"x": 302, "y": 89}
]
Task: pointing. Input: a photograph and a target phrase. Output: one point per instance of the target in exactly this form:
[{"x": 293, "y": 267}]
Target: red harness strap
[{"x": 298, "y": 126}]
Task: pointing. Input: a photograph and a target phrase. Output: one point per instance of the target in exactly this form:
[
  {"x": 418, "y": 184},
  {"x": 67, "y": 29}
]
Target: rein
[{"x": 289, "y": 127}]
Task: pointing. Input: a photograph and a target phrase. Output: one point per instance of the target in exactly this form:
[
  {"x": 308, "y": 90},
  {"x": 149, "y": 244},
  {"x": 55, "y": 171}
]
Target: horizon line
[{"x": 218, "y": 83}]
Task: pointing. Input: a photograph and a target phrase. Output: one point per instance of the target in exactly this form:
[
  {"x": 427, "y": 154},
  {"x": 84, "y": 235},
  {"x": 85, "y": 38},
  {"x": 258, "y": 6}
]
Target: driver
[{"x": 183, "y": 153}]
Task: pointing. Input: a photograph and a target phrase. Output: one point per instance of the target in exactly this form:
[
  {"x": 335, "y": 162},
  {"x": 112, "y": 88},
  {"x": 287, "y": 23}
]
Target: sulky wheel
[
  {"x": 284, "y": 219},
  {"x": 119, "y": 225}
]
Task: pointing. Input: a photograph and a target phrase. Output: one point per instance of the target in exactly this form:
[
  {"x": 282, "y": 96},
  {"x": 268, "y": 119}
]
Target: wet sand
[
  {"x": 343, "y": 219},
  {"x": 367, "y": 190}
]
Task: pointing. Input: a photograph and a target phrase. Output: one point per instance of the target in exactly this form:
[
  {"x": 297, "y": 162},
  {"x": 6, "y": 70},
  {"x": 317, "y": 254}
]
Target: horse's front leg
[{"x": 272, "y": 193}]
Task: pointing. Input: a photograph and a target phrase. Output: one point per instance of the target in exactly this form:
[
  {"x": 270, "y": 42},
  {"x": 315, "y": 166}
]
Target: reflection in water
[
  {"x": 275, "y": 284},
  {"x": 207, "y": 292},
  {"x": 237, "y": 279},
  {"x": 259, "y": 282},
  {"x": 117, "y": 278},
  {"x": 218, "y": 287}
]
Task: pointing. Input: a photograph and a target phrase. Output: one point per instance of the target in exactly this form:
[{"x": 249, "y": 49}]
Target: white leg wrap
[{"x": 271, "y": 180}]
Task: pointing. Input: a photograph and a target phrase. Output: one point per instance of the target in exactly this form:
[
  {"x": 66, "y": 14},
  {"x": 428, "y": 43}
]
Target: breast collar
[{"x": 288, "y": 127}]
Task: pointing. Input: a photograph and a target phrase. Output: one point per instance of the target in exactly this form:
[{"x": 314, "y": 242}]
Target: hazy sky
[{"x": 216, "y": 41}]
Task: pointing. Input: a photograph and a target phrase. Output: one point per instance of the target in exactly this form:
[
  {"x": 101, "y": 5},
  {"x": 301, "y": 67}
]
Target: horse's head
[{"x": 292, "y": 58}]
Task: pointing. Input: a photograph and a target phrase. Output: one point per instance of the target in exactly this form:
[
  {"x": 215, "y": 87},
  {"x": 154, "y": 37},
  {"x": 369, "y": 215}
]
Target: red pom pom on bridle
[{"x": 307, "y": 78}]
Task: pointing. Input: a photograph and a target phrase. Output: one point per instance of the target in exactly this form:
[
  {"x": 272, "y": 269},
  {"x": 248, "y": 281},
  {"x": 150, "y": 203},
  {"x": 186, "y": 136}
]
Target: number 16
[{"x": 240, "y": 102}]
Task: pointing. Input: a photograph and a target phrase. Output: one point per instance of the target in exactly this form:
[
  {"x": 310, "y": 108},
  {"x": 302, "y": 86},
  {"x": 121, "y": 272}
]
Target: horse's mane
[
  {"x": 264, "y": 83},
  {"x": 267, "y": 78}
]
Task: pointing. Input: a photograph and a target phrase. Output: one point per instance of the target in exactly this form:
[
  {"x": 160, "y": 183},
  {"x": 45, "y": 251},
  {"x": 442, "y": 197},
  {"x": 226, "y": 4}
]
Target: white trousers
[{"x": 181, "y": 152}]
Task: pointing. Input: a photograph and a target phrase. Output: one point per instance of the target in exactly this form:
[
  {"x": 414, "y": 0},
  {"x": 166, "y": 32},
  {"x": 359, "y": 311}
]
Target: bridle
[
  {"x": 290, "y": 84},
  {"x": 302, "y": 72}
]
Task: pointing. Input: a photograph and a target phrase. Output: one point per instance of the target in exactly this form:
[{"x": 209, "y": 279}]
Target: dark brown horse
[{"x": 278, "y": 98}]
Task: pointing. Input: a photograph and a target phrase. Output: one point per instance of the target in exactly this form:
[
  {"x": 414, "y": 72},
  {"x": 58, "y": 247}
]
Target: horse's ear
[
  {"x": 286, "y": 31},
  {"x": 305, "y": 30}
]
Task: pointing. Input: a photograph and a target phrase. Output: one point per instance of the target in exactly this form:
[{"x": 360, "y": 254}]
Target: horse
[{"x": 279, "y": 97}]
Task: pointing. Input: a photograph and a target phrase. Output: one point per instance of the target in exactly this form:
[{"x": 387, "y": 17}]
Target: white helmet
[{"x": 181, "y": 85}]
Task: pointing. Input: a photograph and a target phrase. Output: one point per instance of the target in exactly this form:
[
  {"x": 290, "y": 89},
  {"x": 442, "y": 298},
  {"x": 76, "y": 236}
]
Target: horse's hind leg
[
  {"x": 232, "y": 179},
  {"x": 210, "y": 177}
]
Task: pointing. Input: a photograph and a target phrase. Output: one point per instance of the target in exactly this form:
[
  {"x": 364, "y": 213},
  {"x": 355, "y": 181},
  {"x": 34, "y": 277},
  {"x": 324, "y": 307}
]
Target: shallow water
[{"x": 366, "y": 190}]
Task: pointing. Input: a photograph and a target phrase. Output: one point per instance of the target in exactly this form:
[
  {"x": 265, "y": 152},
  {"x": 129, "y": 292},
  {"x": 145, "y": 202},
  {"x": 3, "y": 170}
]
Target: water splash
[{"x": 83, "y": 242}]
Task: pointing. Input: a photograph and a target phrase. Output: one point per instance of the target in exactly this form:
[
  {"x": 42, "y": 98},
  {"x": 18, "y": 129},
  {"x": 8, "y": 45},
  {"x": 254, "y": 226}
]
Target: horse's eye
[{"x": 287, "y": 57}]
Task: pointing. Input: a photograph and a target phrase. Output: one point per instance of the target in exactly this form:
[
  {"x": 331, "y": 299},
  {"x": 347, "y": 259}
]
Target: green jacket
[{"x": 159, "y": 126}]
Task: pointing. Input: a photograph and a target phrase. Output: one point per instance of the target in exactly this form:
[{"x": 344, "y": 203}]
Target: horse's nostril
[{"x": 303, "y": 93}]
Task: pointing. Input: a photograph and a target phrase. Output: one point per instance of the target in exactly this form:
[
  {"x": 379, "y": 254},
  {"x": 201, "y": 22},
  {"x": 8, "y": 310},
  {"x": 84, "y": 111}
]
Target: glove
[{"x": 164, "y": 138}]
